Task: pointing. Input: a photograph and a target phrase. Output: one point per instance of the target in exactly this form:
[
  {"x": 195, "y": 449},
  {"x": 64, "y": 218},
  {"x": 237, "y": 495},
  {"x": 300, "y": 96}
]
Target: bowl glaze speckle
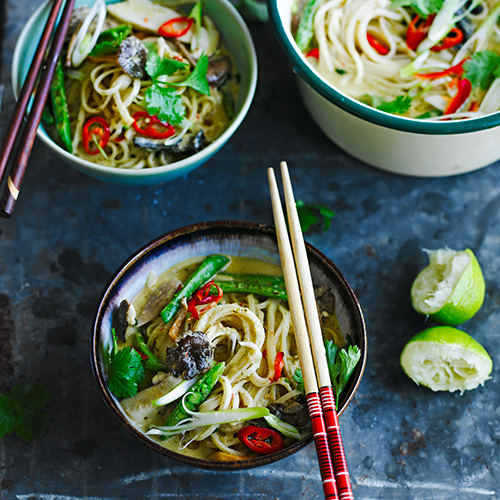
[
  {"x": 237, "y": 38},
  {"x": 232, "y": 238}
]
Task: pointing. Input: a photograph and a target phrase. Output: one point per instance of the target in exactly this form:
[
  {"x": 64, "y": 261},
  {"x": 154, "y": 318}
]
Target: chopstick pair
[
  {"x": 23, "y": 150},
  {"x": 309, "y": 339}
]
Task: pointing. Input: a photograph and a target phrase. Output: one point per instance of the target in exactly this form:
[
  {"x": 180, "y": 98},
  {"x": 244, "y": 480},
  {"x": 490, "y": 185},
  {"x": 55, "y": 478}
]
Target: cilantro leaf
[
  {"x": 399, "y": 106},
  {"x": 125, "y": 370},
  {"x": 423, "y": 8},
  {"x": 197, "y": 79},
  {"x": 482, "y": 68},
  {"x": 157, "y": 66},
  {"x": 109, "y": 40},
  {"x": 22, "y": 411},
  {"x": 165, "y": 103},
  {"x": 297, "y": 376},
  {"x": 310, "y": 215},
  {"x": 341, "y": 364}
]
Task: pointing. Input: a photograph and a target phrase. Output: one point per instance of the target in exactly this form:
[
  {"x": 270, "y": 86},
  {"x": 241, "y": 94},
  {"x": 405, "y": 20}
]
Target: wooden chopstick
[
  {"x": 302, "y": 340},
  {"x": 316, "y": 339},
  {"x": 12, "y": 186}
]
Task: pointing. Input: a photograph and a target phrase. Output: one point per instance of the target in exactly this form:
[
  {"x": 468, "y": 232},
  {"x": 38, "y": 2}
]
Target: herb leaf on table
[
  {"x": 22, "y": 411},
  {"x": 311, "y": 214}
]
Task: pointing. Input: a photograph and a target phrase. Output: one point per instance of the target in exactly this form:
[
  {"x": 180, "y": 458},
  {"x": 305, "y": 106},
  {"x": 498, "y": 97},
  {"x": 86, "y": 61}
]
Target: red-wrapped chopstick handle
[
  {"x": 336, "y": 445},
  {"x": 322, "y": 447}
]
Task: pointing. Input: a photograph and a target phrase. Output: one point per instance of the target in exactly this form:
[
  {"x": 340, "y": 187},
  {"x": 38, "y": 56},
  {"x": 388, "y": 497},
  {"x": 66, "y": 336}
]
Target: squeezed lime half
[
  {"x": 444, "y": 358},
  {"x": 450, "y": 290}
]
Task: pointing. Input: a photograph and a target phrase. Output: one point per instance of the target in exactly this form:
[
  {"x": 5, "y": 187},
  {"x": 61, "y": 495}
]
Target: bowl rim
[
  {"x": 220, "y": 226},
  {"x": 145, "y": 173},
  {"x": 363, "y": 111}
]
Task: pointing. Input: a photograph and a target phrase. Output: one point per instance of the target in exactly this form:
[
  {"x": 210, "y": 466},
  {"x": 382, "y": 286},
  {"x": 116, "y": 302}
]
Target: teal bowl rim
[
  {"x": 360, "y": 110},
  {"x": 166, "y": 171}
]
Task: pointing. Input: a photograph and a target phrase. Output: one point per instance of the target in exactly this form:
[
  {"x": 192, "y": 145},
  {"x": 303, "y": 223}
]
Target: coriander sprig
[{"x": 162, "y": 99}]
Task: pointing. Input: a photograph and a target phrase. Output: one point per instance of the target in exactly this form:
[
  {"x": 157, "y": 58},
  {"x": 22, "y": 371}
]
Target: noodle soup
[
  {"x": 233, "y": 321},
  {"x": 141, "y": 85},
  {"x": 425, "y": 60}
]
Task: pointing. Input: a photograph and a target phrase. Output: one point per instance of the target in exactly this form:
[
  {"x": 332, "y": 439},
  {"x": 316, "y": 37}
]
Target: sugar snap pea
[
  {"x": 196, "y": 395},
  {"x": 305, "y": 29},
  {"x": 205, "y": 272},
  {"x": 259, "y": 284},
  {"x": 151, "y": 362},
  {"x": 60, "y": 107}
]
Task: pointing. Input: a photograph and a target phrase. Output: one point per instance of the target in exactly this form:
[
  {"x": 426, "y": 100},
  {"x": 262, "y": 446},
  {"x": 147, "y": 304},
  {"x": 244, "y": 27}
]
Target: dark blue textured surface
[{"x": 69, "y": 233}]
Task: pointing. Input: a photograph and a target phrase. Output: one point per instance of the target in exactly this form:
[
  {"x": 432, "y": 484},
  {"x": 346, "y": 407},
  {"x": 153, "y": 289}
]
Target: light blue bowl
[{"x": 236, "y": 37}]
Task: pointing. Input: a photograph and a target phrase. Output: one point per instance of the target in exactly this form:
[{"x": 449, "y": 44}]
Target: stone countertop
[{"x": 69, "y": 233}]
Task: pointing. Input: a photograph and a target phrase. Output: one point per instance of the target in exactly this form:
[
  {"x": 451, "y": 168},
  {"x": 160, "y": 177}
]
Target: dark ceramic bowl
[{"x": 231, "y": 238}]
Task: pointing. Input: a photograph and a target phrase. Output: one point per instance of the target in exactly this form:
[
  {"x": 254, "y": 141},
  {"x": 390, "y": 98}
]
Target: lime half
[
  {"x": 450, "y": 290},
  {"x": 444, "y": 358}
]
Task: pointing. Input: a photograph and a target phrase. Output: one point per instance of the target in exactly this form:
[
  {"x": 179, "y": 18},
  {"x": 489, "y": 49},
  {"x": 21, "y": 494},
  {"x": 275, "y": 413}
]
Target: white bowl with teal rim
[
  {"x": 394, "y": 143},
  {"x": 236, "y": 37}
]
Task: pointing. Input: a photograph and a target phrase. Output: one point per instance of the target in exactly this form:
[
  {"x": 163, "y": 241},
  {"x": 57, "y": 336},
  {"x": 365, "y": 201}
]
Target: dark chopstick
[{"x": 12, "y": 186}]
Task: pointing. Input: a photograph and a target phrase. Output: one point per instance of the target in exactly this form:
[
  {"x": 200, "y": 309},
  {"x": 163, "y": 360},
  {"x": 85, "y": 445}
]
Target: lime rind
[
  {"x": 450, "y": 290},
  {"x": 446, "y": 359}
]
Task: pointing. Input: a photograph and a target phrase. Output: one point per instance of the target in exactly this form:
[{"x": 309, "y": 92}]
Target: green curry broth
[{"x": 238, "y": 265}]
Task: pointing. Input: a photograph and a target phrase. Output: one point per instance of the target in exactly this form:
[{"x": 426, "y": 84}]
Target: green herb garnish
[
  {"x": 482, "y": 68},
  {"x": 125, "y": 370},
  {"x": 312, "y": 214},
  {"x": 423, "y": 8},
  {"x": 22, "y": 411},
  {"x": 341, "y": 364},
  {"x": 162, "y": 99}
]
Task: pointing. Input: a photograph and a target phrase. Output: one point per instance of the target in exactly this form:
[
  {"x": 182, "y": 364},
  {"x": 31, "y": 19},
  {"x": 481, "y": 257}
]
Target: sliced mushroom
[
  {"x": 188, "y": 145},
  {"x": 157, "y": 301},
  {"x": 120, "y": 321},
  {"x": 218, "y": 71},
  {"x": 132, "y": 56},
  {"x": 191, "y": 355},
  {"x": 293, "y": 412}
]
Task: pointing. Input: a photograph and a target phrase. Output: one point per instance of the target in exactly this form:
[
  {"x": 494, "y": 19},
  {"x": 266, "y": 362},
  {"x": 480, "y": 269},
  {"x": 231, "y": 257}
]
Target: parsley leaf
[
  {"x": 341, "y": 364},
  {"x": 165, "y": 103},
  {"x": 162, "y": 100},
  {"x": 156, "y": 66},
  {"x": 423, "y": 8},
  {"x": 482, "y": 68},
  {"x": 297, "y": 376},
  {"x": 109, "y": 40},
  {"x": 125, "y": 370},
  {"x": 310, "y": 215},
  {"x": 198, "y": 77},
  {"x": 22, "y": 413}
]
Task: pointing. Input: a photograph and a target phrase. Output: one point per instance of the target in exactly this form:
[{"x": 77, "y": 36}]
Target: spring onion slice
[
  {"x": 177, "y": 392},
  {"x": 85, "y": 41},
  {"x": 205, "y": 418},
  {"x": 285, "y": 428}
]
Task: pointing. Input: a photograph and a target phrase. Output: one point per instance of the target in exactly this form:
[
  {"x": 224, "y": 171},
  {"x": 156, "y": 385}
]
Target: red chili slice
[
  {"x": 202, "y": 296},
  {"x": 176, "y": 27},
  {"x": 463, "y": 92},
  {"x": 454, "y": 37},
  {"x": 260, "y": 440},
  {"x": 278, "y": 366},
  {"x": 95, "y": 131},
  {"x": 417, "y": 31},
  {"x": 456, "y": 70},
  {"x": 313, "y": 53},
  {"x": 150, "y": 126},
  {"x": 381, "y": 49}
]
